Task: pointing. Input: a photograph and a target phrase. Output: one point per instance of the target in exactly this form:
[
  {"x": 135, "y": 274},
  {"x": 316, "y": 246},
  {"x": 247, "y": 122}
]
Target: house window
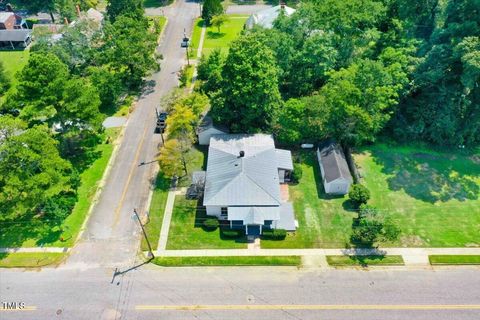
[{"x": 224, "y": 212}]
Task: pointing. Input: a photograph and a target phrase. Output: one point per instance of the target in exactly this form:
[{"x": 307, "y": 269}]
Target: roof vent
[{"x": 242, "y": 154}]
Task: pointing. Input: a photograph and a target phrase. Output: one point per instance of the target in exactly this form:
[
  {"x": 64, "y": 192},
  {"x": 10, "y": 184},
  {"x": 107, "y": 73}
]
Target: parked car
[
  {"x": 161, "y": 122},
  {"x": 185, "y": 42}
]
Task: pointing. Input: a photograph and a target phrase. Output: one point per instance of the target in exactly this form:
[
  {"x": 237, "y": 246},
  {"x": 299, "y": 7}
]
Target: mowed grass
[
  {"x": 186, "y": 231},
  {"x": 454, "y": 259},
  {"x": 323, "y": 222},
  {"x": 228, "y": 261},
  {"x": 433, "y": 197},
  {"x": 215, "y": 39},
  {"x": 156, "y": 213},
  {"x": 14, "y": 61},
  {"x": 29, "y": 260},
  {"x": 364, "y": 261}
]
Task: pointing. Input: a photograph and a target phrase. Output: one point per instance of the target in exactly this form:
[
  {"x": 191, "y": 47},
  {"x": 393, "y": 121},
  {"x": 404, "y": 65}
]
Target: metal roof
[
  {"x": 4, "y": 16},
  {"x": 333, "y": 162},
  {"x": 254, "y": 215},
  {"x": 265, "y": 18},
  {"x": 251, "y": 180},
  {"x": 284, "y": 159},
  {"x": 17, "y": 35}
]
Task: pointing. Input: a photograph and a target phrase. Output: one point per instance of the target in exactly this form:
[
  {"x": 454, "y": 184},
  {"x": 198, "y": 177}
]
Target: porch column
[
  {"x": 246, "y": 230},
  {"x": 260, "y": 229},
  {"x": 230, "y": 224}
]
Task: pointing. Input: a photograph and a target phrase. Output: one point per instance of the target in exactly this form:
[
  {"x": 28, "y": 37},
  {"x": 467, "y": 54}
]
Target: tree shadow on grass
[
  {"x": 430, "y": 177},
  {"x": 215, "y": 35},
  {"x": 15, "y": 233}
]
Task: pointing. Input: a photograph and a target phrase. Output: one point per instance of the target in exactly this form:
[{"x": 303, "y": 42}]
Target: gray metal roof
[
  {"x": 333, "y": 161},
  {"x": 254, "y": 215},
  {"x": 284, "y": 159},
  {"x": 251, "y": 180},
  {"x": 17, "y": 35},
  {"x": 4, "y": 16},
  {"x": 287, "y": 218},
  {"x": 207, "y": 123}
]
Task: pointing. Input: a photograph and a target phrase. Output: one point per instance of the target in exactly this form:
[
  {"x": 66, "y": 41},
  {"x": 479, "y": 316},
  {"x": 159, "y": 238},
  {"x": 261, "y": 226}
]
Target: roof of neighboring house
[
  {"x": 16, "y": 35},
  {"x": 251, "y": 180},
  {"x": 284, "y": 159},
  {"x": 265, "y": 18},
  {"x": 4, "y": 16},
  {"x": 207, "y": 123},
  {"x": 333, "y": 162},
  {"x": 95, "y": 15}
]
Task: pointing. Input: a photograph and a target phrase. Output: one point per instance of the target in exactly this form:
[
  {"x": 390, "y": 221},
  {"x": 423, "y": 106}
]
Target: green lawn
[
  {"x": 214, "y": 39},
  {"x": 37, "y": 232},
  {"x": 454, "y": 259},
  {"x": 364, "y": 260},
  {"x": 29, "y": 260},
  {"x": 433, "y": 197},
  {"x": 157, "y": 209},
  {"x": 186, "y": 231},
  {"x": 14, "y": 61},
  {"x": 323, "y": 222},
  {"x": 228, "y": 261}
]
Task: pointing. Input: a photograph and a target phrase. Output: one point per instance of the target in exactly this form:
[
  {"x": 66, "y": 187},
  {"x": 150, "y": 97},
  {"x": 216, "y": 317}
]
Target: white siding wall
[
  {"x": 339, "y": 186},
  {"x": 214, "y": 211}
]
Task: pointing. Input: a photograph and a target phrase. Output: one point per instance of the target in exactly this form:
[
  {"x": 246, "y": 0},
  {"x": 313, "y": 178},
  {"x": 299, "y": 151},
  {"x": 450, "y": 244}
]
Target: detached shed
[
  {"x": 336, "y": 176},
  {"x": 16, "y": 38},
  {"x": 207, "y": 129}
]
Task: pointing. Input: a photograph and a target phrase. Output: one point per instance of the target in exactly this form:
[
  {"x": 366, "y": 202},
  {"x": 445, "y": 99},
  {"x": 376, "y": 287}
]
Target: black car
[
  {"x": 161, "y": 122},
  {"x": 185, "y": 42}
]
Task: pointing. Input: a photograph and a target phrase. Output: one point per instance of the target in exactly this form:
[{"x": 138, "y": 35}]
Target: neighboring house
[
  {"x": 17, "y": 38},
  {"x": 336, "y": 176},
  {"x": 11, "y": 21},
  {"x": 207, "y": 129},
  {"x": 242, "y": 183},
  {"x": 265, "y": 18}
]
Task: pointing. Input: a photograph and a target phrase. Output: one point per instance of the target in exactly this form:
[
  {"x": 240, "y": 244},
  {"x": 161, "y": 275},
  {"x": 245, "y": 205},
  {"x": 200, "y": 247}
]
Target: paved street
[
  {"x": 140, "y": 294},
  {"x": 112, "y": 236}
]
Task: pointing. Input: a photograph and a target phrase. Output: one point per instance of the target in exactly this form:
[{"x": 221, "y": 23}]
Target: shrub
[
  {"x": 232, "y": 233},
  {"x": 210, "y": 224},
  {"x": 275, "y": 234},
  {"x": 297, "y": 172},
  {"x": 359, "y": 194},
  {"x": 59, "y": 206}
]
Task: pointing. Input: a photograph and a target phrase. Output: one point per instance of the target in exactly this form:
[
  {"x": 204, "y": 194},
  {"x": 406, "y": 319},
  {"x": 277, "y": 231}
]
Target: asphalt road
[
  {"x": 226, "y": 293},
  {"x": 112, "y": 235}
]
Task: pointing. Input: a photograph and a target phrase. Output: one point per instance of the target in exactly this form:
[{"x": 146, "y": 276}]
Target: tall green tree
[
  {"x": 210, "y": 9},
  {"x": 131, "y": 8},
  {"x": 210, "y": 71},
  {"x": 129, "y": 49},
  {"x": 4, "y": 79},
  {"x": 249, "y": 97},
  {"x": 31, "y": 170}
]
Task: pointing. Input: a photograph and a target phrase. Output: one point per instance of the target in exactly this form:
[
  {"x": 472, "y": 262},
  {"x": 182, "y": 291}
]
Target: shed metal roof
[
  {"x": 16, "y": 35},
  {"x": 284, "y": 159}
]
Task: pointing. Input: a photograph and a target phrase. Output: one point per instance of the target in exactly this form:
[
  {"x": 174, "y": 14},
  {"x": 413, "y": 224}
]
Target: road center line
[
  {"x": 305, "y": 307},
  {"x": 130, "y": 174}
]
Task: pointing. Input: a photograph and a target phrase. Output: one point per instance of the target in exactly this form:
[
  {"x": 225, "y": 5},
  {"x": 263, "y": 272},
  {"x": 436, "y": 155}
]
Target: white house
[
  {"x": 336, "y": 176},
  {"x": 265, "y": 18},
  {"x": 242, "y": 182},
  {"x": 207, "y": 129}
]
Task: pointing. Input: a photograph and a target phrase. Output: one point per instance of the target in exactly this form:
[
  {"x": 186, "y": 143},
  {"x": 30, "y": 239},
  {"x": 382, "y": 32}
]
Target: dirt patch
[
  {"x": 411, "y": 241},
  {"x": 475, "y": 159}
]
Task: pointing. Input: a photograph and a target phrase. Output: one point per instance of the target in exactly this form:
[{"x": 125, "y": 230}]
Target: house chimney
[
  {"x": 242, "y": 154},
  {"x": 77, "y": 7}
]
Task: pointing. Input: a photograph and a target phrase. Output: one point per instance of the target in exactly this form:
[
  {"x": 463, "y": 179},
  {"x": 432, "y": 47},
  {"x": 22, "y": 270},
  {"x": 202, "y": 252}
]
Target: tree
[
  {"x": 4, "y": 80},
  {"x": 41, "y": 85},
  {"x": 181, "y": 122},
  {"x": 249, "y": 97},
  {"x": 108, "y": 84},
  {"x": 87, "y": 4},
  {"x": 31, "y": 170},
  {"x": 210, "y": 71},
  {"x": 131, "y": 8},
  {"x": 210, "y": 9},
  {"x": 174, "y": 156},
  {"x": 129, "y": 48},
  {"x": 359, "y": 194},
  {"x": 371, "y": 227},
  {"x": 360, "y": 100},
  {"x": 219, "y": 20},
  {"x": 36, "y": 6}
]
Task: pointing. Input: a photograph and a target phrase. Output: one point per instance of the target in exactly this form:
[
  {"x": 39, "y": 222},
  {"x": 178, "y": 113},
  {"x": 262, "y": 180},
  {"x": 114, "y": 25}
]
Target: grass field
[
  {"x": 228, "y": 261},
  {"x": 29, "y": 260},
  {"x": 454, "y": 259},
  {"x": 432, "y": 197},
  {"x": 215, "y": 39},
  {"x": 14, "y": 61},
  {"x": 36, "y": 232},
  {"x": 364, "y": 261},
  {"x": 157, "y": 210}
]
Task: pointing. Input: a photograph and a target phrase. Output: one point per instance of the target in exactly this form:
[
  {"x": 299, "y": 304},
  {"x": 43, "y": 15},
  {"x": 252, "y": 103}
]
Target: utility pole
[{"x": 150, "y": 251}]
